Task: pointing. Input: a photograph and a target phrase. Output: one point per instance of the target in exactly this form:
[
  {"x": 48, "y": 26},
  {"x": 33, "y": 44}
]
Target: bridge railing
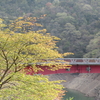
[{"x": 82, "y": 61}]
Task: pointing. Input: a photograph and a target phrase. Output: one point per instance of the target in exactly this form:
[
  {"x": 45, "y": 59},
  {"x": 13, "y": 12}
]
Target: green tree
[
  {"x": 17, "y": 50},
  {"x": 93, "y": 48}
]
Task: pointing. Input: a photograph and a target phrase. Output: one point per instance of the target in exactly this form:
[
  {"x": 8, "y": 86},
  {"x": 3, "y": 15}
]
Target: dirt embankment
[{"x": 88, "y": 83}]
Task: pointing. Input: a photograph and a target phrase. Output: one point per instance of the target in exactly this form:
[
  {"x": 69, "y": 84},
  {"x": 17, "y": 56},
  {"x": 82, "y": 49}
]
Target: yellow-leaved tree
[{"x": 17, "y": 50}]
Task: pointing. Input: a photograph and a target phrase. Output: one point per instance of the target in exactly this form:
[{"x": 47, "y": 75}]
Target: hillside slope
[{"x": 89, "y": 84}]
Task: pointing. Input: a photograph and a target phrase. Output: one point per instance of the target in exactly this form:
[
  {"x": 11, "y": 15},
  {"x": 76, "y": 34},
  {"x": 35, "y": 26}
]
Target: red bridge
[{"x": 79, "y": 65}]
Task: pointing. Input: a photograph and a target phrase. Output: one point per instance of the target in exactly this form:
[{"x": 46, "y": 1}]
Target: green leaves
[
  {"x": 70, "y": 98},
  {"x": 29, "y": 87},
  {"x": 18, "y": 50},
  {"x": 93, "y": 48}
]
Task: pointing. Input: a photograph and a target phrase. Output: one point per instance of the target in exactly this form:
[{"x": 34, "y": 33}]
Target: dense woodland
[{"x": 76, "y": 22}]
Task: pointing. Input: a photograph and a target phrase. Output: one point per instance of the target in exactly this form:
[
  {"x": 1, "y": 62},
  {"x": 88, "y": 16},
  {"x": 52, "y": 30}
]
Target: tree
[
  {"x": 24, "y": 24},
  {"x": 70, "y": 40},
  {"x": 18, "y": 50},
  {"x": 30, "y": 88},
  {"x": 93, "y": 48}
]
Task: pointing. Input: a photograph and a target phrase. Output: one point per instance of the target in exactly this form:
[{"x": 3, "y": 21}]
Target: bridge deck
[
  {"x": 82, "y": 61},
  {"x": 79, "y": 65}
]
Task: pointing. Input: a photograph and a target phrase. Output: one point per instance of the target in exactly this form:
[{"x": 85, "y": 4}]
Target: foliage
[
  {"x": 18, "y": 50},
  {"x": 25, "y": 24},
  {"x": 71, "y": 98},
  {"x": 94, "y": 47},
  {"x": 82, "y": 14},
  {"x": 29, "y": 87}
]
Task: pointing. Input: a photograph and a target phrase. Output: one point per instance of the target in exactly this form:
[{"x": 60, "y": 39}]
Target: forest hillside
[{"x": 76, "y": 22}]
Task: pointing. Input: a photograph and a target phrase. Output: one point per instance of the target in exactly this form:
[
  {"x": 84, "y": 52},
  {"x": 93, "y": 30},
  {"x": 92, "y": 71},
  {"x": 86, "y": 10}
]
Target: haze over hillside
[{"x": 76, "y": 22}]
